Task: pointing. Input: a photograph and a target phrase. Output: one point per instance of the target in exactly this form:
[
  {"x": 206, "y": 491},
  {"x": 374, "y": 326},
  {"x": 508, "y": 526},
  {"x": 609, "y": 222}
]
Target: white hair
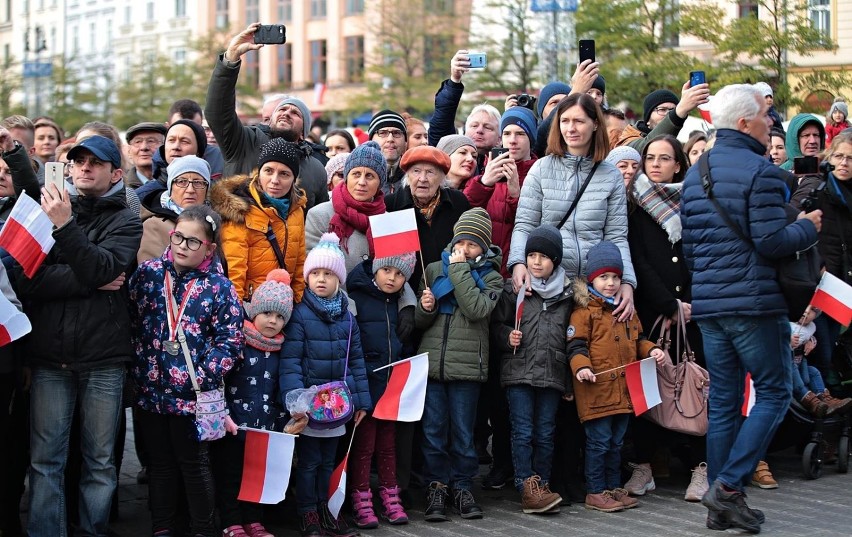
[
  {"x": 492, "y": 112},
  {"x": 734, "y": 102}
]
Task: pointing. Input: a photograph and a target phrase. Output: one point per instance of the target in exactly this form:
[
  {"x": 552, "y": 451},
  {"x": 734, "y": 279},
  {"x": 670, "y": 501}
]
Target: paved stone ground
[{"x": 800, "y": 507}]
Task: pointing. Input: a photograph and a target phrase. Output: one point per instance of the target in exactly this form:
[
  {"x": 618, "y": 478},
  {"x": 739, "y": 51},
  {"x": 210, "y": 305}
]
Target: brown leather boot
[
  {"x": 535, "y": 498},
  {"x": 839, "y": 406},
  {"x": 814, "y": 405}
]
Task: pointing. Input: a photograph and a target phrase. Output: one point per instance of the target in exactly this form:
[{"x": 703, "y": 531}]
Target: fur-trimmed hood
[
  {"x": 233, "y": 197},
  {"x": 582, "y": 296}
]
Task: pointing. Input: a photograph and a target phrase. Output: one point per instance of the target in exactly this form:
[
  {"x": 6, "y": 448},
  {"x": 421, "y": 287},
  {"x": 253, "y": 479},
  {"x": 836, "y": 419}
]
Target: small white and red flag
[
  {"x": 337, "y": 483},
  {"x": 749, "y": 395},
  {"x": 13, "y": 323},
  {"x": 27, "y": 234},
  {"x": 641, "y": 377},
  {"x": 519, "y": 306},
  {"x": 405, "y": 395},
  {"x": 704, "y": 110},
  {"x": 266, "y": 466},
  {"x": 834, "y": 297},
  {"x": 394, "y": 233}
]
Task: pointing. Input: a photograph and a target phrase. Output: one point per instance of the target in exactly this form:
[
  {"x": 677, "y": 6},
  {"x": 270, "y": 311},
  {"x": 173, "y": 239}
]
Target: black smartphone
[
  {"x": 805, "y": 165},
  {"x": 497, "y": 151},
  {"x": 270, "y": 34},
  {"x": 587, "y": 50},
  {"x": 696, "y": 77}
]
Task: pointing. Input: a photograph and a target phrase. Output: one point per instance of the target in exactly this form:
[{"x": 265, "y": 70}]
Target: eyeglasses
[
  {"x": 384, "y": 133},
  {"x": 664, "y": 159},
  {"x": 420, "y": 172},
  {"x": 840, "y": 158},
  {"x": 663, "y": 110},
  {"x": 177, "y": 238},
  {"x": 184, "y": 183},
  {"x": 139, "y": 141}
]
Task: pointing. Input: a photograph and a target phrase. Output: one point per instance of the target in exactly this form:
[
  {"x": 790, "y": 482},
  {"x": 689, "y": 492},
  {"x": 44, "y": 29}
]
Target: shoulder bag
[{"x": 332, "y": 405}]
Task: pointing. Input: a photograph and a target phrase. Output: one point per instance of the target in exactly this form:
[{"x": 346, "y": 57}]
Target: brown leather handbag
[{"x": 683, "y": 384}]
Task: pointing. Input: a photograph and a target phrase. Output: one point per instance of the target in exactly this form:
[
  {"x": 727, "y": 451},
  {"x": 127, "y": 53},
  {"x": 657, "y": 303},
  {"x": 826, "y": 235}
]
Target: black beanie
[
  {"x": 280, "y": 150},
  {"x": 200, "y": 137},
  {"x": 655, "y": 99},
  {"x": 547, "y": 240},
  {"x": 600, "y": 84}
]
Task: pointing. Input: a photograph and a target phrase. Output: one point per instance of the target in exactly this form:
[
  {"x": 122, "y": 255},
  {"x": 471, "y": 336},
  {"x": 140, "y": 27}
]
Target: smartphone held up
[{"x": 270, "y": 34}]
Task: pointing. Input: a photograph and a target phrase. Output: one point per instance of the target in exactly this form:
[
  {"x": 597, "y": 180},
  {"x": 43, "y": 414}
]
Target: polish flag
[
  {"x": 394, "y": 233},
  {"x": 519, "y": 306},
  {"x": 405, "y": 395},
  {"x": 27, "y": 234},
  {"x": 319, "y": 93},
  {"x": 266, "y": 466},
  {"x": 704, "y": 110},
  {"x": 834, "y": 297},
  {"x": 749, "y": 395},
  {"x": 13, "y": 323},
  {"x": 337, "y": 483},
  {"x": 642, "y": 384}
]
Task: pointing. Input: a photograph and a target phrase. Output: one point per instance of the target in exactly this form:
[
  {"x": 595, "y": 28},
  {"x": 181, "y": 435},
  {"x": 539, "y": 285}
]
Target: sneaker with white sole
[
  {"x": 641, "y": 481},
  {"x": 698, "y": 484}
]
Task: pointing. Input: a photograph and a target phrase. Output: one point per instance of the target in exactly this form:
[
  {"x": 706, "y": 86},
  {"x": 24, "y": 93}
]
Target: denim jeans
[
  {"x": 532, "y": 412},
  {"x": 806, "y": 378},
  {"x": 316, "y": 463},
  {"x": 733, "y": 346},
  {"x": 604, "y": 438},
  {"x": 449, "y": 418},
  {"x": 54, "y": 394}
]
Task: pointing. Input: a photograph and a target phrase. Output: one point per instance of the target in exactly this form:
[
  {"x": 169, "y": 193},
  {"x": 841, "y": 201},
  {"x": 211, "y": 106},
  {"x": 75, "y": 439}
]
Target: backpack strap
[{"x": 707, "y": 184}]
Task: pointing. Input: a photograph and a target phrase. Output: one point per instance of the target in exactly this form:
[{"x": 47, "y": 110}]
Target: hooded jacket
[
  {"x": 245, "y": 221},
  {"x": 791, "y": 141},
  {"x": 457, "y": 343}
]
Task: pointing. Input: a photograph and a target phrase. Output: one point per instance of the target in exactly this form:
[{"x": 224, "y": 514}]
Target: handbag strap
[
  {"x": 276, "y": 248},
  {"x": 190, "y": 367},
  {"x": 680, "y": 337},
  {"x": 579, "y": 194},
  {"x": 348, "y": 346},
  {"x": 707, "y": 184}
]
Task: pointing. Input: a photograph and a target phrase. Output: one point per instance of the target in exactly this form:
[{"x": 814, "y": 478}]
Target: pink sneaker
[
  {"x": 256, "y": 529},
  {"x": 362, "y": 509},
  {"x": 234, "y": 531},
  {"x": 393, "y": 511}
]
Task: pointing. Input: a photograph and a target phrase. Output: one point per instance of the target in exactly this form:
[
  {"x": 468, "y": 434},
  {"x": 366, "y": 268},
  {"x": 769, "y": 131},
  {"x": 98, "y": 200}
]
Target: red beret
[{"x": 426, "y": 153}]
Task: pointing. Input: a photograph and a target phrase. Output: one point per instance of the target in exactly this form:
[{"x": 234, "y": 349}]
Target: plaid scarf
[{"x": 662, "y": 202}]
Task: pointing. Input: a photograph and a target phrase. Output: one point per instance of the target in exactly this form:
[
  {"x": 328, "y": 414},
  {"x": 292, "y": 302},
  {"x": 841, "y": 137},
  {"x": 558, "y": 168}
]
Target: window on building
[
  {"x": 284, "y": 63},
  {"x": 179, "y": 56},
  {"x": 109, "y": 33},
  {"x": 150, "y": 11},
  {"x": 75, "y": 39},
  {"x": 355, "y": 58},
  {"x": 318, "y": 9},
  {"x": 285, "y": 10},
  {"x": 222, "y": 14},
  {"x": 93, "y": 37},
  {"x": 435, "y": 49},
  {"x": 354, "y": 7},
  {"x": 438, "y": 6},
  {"x": 670, "y": 36},
  {"x": 819, "y": 12},
  {"x": 318, "y": 60},
  {"x": 7, "y": 55},
  {"x": 251, "y": 68},
  {"x": 748, "y": 8},
  {"x": 252, "y": 11},
  {"x": 8, "y": 15},
  {"x": 180, "y": 8},
  {"x": 128, "y": 14}
]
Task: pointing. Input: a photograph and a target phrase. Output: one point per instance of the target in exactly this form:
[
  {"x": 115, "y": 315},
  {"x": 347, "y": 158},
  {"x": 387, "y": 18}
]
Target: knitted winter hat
[
  {"x": 387, "y": 118},
  {"x": 275, "y": 294},
  {"x": 189, "y": 163},
  {"x": 335, "y": 164},
  {"x": 328, "y": 255},
  {"x": 303, "y": 110},
  {"x": 523, "y": 118},
  {"x": 367, "y": 155},
  {"x": 404, "y": 262},
  {"x": 655, "y": 99},
  {"x": 280, "y": 150},
  {"x": 197, "y": 130},
  {"x": 764, "y": 88},
  {"x": 425, "y": 153},
  {"x": 603, "y": 257},
  {"x": 839, "y": 105},
  {"x": 548, "y": 91},
  {"x": 623, "y": 152},
  {"x": 474, "y": 225},
  {"x": 600, "y": 84},
  {"x": 451, "y": 143},
  {"x": 547, "y": 240}
]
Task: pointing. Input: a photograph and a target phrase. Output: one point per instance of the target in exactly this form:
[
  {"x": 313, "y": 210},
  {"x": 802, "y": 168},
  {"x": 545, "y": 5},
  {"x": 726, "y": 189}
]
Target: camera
[
  {"x": 526, "y": 101},
  {"x": 811, "y": 202}
]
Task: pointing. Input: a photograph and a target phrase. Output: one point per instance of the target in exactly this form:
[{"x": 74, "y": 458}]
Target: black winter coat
[
  {"x": 76, "y": 326},
  {"x": 835, "y": 237}
]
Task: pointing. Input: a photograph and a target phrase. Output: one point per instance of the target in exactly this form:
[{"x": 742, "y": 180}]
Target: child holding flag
[
  {"x": 375, "y": 287},
  {"x": 597, "y": 342},
  {"x": 531, "y": 335},
  {"x": 251, "y": 390},
  {"x": 320, "y": 338}
]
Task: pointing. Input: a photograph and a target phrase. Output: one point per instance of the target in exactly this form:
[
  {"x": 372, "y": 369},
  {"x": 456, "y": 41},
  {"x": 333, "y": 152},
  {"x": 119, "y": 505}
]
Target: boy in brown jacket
[{"x": 597, "y": 342}]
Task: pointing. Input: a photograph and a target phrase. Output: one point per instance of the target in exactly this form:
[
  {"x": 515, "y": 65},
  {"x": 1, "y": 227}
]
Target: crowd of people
[{"x": 203, "y": 256}]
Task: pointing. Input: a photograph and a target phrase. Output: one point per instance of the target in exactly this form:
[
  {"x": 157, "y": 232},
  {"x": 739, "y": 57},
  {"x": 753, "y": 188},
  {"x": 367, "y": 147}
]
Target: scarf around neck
[
  {"x": 351, "y": 215},
  {"x": 609, "y": 300},
  {"x": 551, "y": 287},
  {"x": 443, "y": 288},
  {"x": 281, "y": 205},
  {"x": 333, "y": 305},
  {"x": 167, "y": 202},
  {"x": 662, "y": 202},
  {"x": 428, "y": 209},
  {"x": 260, "y": 342}
]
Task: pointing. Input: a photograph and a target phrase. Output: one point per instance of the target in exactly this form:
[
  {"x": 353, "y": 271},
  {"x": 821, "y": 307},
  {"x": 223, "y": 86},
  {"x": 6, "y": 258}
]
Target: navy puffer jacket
[
  {"x": 729, "y": 276},
  {"x": 314, "y": 352}
]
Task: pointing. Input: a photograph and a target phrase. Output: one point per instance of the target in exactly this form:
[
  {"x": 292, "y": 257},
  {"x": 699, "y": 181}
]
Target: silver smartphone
[{"x": 54, "y": 174}]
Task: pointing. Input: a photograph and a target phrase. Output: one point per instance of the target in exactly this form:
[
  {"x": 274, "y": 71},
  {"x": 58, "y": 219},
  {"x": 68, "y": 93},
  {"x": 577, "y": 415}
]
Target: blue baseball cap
[{"x": 101, "y": 147}]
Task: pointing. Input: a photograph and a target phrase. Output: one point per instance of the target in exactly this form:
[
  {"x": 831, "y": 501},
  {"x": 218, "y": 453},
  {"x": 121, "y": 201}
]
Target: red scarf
[{"x": 351, "y": 215}]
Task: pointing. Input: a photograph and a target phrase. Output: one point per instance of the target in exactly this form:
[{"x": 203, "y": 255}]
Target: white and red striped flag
[
  {"x": 704, "y": 110},
  {"x": 266, "y": 466},
  {"x": 749, "y": 395},
  {"x": 13, "y": 323},
  {"x": 27, "y": 234},
  {"x": 641, "y": 377},
  {"x": 337, "y": 483},
  {"x": 405, "y": 395},
  {"x": 394, "y": 233},
  {"x": 834, "y": 297}
]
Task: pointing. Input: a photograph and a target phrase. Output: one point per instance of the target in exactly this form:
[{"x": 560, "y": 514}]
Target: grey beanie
[
  {"x": 370, "y": 156},
  {"x": 623, "y": 152},
  {"x": 451, "y": 143},
  {"x": 839, "y": 106},
  {"x": 603, "y": 257},
  {"x": 186, "y": 164},
  {"x": 303, "y": 109},
  {"x": 547, "y": 240},
  {"x": 404, "y": 262},
  {"x": 274, "y": 294}
]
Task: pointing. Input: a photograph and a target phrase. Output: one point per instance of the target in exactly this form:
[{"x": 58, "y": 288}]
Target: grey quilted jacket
[{"x": 550, "y": 188}]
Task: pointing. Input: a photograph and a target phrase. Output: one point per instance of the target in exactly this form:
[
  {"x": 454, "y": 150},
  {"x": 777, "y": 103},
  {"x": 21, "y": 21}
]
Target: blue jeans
[
  {"x": 448, "y": 421},
  {"x": 806, "y": 378},
  {"x": 54, "y": 394},
  {"x": 733, "y": 346},
  {"x": 313, "y": 474},
  {"x": 604, "y": 438},
  {"x": 532, "y": 412}
]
